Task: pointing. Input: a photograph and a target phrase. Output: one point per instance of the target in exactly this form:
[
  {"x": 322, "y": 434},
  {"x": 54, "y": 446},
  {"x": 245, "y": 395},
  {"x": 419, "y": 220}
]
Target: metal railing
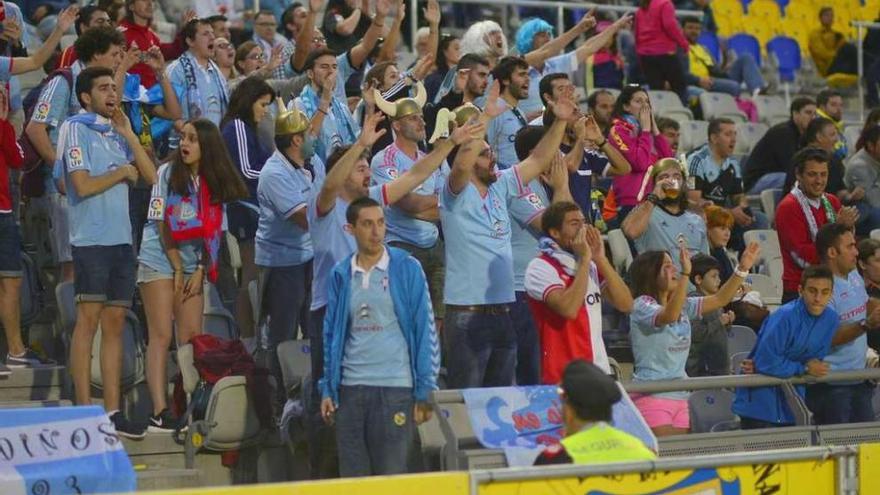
[
  {"x": 860, "y": 30},
  {"x": 712, "y": 382},
  {"x": 845, "y": 456},
  {"x": 559, "y": 7}
]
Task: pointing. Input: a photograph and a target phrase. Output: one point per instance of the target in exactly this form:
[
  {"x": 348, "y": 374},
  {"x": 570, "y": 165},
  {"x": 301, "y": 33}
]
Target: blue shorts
[
  {"x": 10, "y": 247},
  {"x": 104, "y": 274}
]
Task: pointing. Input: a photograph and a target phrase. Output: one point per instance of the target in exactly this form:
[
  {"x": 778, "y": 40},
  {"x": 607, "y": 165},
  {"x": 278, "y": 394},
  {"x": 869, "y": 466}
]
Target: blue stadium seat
[
  {"x": 710, "y": 42},
  {"x": 788, "y": 55},
  {"x": 745, "y": 43}
]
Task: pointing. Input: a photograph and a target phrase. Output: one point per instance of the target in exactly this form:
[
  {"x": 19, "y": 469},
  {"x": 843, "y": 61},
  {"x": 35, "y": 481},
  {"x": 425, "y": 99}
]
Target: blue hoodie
[
  {"x": 412, "y": 305},
  {"x": 789, "y": 338}
]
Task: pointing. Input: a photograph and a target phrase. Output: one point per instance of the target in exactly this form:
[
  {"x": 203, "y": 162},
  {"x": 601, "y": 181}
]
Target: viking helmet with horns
[
  {"x": 291, "y": 121},
  {"x": 404, "y": 106},
  {"x": 461, "y": 116}
]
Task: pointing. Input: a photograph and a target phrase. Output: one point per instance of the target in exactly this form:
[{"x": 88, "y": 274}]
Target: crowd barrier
[
  {"x": 463, "y": 451},
  {"x": 847, "y": 470}
]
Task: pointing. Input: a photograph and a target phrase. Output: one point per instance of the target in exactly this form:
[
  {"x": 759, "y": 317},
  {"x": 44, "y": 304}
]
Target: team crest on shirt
[
  {"x": 185, "y": 211},
  {"x": 392, "y": 172},
  {"x": 535, "y": 201},
  {"x": 42, "y": 110},
  {"x": 74, "y": 157}
]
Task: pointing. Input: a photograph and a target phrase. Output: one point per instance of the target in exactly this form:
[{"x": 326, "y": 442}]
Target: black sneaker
[
  {"x": 29, "y": 359},
  {"x": 164, "y": 422},
  {"x": 126, "y": 428}
]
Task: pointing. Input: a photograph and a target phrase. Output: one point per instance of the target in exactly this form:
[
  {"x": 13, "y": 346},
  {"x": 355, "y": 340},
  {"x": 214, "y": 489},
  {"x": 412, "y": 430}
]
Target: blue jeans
[
  {"x": 834, "y": 404},
  {"x": 375, "y": 431},
  {"x": 480, "y": 348},
  {"x": 286, "y": 300},
  {"x": 773, "y": 180},
  {"x": 528, "y": 350},
  {"x": 745, "y": 70},
  {"x": 104, "y": 274}
]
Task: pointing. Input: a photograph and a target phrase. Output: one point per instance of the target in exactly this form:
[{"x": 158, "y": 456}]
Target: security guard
[{"x": 587, "y": 397}]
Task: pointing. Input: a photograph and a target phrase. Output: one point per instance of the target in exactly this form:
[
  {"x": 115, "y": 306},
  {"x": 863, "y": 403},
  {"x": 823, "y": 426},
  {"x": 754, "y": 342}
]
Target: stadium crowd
[{"x": 446, "y": 214}]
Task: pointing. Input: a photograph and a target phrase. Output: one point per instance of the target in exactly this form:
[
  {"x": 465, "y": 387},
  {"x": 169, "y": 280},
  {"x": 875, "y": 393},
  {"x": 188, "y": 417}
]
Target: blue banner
[
  {"x": 525, "y": 420},
  {"x": 62, "y": 450}
]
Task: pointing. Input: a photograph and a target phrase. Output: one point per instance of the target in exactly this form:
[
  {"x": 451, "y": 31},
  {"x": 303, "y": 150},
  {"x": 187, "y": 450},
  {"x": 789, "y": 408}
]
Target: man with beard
[
  {"x": 661, "y": 221},
  {"x": 829, "y": 104},
  {"x": 718, "y": 179},
  {"x": 411, "y": 222},
  {"x": 845, "y": 402},
  {"x": 513, "y": 74},
  {"x": 802, "y": 212},
  {"x": 206, "y": 93},
  {"x": 471, "y": 80},
  {"x": 101, "y": 155},
  {"x": 601, "y": 106},
  {"x": 478, "y": 330},
  {"x": 565, "y": 291}
]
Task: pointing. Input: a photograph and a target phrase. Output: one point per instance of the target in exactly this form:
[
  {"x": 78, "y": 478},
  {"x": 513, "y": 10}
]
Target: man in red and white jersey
[{"x": 566, "y": 284}]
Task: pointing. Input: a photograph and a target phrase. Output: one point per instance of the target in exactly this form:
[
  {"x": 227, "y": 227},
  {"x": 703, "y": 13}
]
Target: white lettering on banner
[{"x": 38, "y": 443}]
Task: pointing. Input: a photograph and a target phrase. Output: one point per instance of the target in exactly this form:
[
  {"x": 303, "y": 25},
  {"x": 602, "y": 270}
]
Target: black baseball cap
[{"x": 587, "y": 386}]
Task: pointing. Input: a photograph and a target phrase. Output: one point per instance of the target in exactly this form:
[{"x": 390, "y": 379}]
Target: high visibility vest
[{"x": 602, "y": 443}]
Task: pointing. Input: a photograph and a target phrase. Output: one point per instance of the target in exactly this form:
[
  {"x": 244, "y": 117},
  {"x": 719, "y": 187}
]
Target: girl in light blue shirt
[{"x": 660, "y": 328}]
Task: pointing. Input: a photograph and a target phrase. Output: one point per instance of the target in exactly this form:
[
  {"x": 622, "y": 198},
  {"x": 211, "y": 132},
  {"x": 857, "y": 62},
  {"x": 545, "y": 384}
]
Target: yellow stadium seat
[
  {"x": 728, "y": 26},
  {"x": 766, "y": 10},
  {"x": 727, "y": 8},
  {"x": 800, "y": 9},
  {"x": 842, "y": 80}
]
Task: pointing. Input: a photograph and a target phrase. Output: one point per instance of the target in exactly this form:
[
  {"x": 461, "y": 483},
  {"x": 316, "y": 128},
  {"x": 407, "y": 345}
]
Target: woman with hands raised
[{"x": 660, "y": 328}]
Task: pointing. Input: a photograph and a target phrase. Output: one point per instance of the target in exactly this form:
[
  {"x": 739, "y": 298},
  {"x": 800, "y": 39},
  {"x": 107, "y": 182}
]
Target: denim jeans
[
  {"x": 480, "y": 349},
  {"x": 528, "y": 350},
  {"x": 286, "y": 298},
  {"x": 745, "y": 70},
  {"x": 835, "y": 404},
  {"x": 773, "y": 180},
  {"x": 375, "y": 431}
]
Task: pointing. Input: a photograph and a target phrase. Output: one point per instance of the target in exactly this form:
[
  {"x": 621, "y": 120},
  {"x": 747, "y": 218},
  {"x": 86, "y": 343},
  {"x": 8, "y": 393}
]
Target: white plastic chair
[
  {"x": 747, "y": 135},
  {"x": 668, "y": 104},
  {"x": 694, "y": 134},
  {"x": 771, "y": 109},
  {"x": 717, "y": 105},
  {"x": 621, "y": 255}
]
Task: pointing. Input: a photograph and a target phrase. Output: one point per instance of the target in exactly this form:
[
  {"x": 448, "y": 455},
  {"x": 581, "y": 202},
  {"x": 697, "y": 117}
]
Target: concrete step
[
  {"x": 155, "y": 451},
  {"x": 33, "y": 384},
  {"x": 34, "y": 403},
  {"x": 167, "y": 479}
]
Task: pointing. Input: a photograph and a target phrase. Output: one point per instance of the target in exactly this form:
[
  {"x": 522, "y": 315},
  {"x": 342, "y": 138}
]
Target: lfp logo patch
[
  {"x": 74, "y": 158},
  {"x": 42, "y": 110}
]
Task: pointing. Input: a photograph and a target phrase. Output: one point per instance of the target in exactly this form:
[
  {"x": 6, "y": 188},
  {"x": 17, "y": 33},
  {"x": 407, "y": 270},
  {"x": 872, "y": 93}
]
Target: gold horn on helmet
[
  {"x": 404, "y": 106},
  {"x": 291, "y": 121}
]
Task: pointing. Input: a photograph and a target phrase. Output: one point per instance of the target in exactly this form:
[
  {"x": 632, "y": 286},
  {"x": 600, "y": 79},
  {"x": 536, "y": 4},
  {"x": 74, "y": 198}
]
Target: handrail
[
  {"x": 579, "y": 470},
  {"x": 711, "y": 382},
  {"x": 560, "y": 7}
]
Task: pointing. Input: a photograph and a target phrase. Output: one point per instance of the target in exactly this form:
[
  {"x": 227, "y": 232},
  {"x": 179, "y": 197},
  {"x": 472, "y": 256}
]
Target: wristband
[
  {"x": 653, "y": 198},
  {"x": 740, "y": 273},
  {"x": 323, "y": 111},
  {"x": 685, "y": 274}
]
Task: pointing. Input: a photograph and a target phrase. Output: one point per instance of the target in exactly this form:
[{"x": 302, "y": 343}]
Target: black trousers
[{"x": 662, "y": 69}]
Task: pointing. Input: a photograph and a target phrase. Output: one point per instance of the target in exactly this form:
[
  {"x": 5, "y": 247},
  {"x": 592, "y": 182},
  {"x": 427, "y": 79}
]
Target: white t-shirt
[{"x": 542, "y": 278}]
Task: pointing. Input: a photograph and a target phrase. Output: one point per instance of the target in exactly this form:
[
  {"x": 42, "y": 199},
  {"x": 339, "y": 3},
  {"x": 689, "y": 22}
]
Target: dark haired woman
[
  {"x": 248, "y": 105},
  {"x": 635, "y": 134},
  {"x": 180, "y": 246},
  {"x": 448, "y": 53},
  {"x": 660, "y": 329}
]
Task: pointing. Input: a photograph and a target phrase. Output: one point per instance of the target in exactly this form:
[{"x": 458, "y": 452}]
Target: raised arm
[
  {"x": 170, "y": 108},
  {"x": 348, "y": 24},
  {"x": 727, "y": 291},
  {"x": 614, "y": 289},
  {"x": 536, "y": 58},
  {"x": 335, "y": 179},
  {"x": 542, "y": 156},
  {"x": 388, "y": 52},
  {"x": 36, "y": 61},
  {"x": 597, "y": 42},
  {"x": 423, "y": 168},
  {"x": 359, "y": 53},
  {"x": 304, "y": 38},
  {"x": 142, "y": 161}
]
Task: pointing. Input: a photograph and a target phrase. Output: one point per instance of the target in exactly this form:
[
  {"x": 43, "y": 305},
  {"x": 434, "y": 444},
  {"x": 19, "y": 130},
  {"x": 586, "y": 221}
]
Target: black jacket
[{"x": 772, "y": 153}]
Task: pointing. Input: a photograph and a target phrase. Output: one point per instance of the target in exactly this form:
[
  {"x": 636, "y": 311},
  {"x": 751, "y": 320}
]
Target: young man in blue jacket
[
  {"x": 793, "y": 340},
  {"x": 381, "y": 354}
]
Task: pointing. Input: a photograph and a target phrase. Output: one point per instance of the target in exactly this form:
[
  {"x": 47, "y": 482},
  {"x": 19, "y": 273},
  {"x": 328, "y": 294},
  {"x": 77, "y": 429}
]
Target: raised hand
[
  {"x": 594, "y": 239},
  {"x": 848, "y": 216},
  {"x": 557, "y": 176},
  {"x": 432, "y": 13},
  {"x": 382, "y": 8},
  {"x": 316, "y": 5},
  {"x": 564, "y": 109},
  {"x": 11, "y": 31},
  {"x": 468, "y": 132},
  {"x": 622, "y": 23},
  {"x": 750, "y": 256},
  {"x": 275, "y": 58},
  {"x": 495, "y": 106},
  {"x": 131, "y": 57},
  {"x": 461, "y": 77},
  {"x": 580, "y": 247},
  {"x": 66, "y": 18},
  {"x": 592, "y": 131},
  {"x": 371, "y": 133},
  {"x": 188, "y": 15},
  {"x": 423, "y": 67},
  {"x": 684, "y": 257},
  {"x": 155, "y": 59},
  {"x": 368, "y": 95},
  {"x": 588, "y": 21}
]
